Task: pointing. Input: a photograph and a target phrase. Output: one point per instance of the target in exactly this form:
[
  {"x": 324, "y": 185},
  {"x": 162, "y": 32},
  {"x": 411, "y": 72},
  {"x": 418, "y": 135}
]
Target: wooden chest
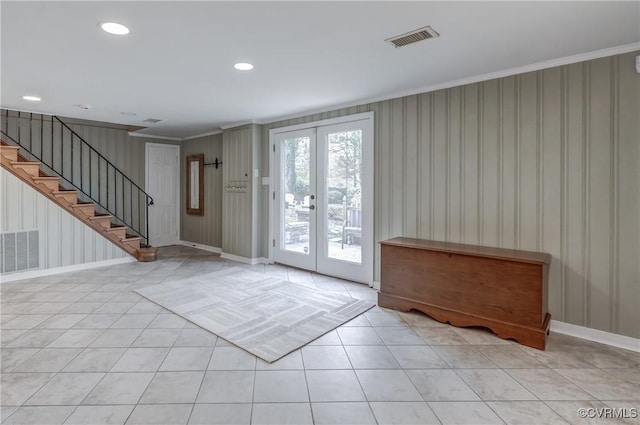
[{"x": 465, "y": 285}]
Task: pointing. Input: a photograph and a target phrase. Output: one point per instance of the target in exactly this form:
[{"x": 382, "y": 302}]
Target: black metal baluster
[
  {"x": 123, "y": 206},
  {"x": 30, "y": 135},
  {"x": 81, "y": 168},
  {"x": 51, "y": 144},
  {"x": 108, "y": 186},
  {"x": 19, "y": 141},
  {"x": 131, "y": 201},
  {"x": 147, "y": 219},
  {"x": 72, "y": 164},
  {"x": 99, "y": 182},
  {"x": 62, "y": 150},
  {"x": 41, "y": 136}
]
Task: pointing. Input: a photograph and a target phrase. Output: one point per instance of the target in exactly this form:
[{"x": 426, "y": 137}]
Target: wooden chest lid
[{"x": 472, "y": 250}]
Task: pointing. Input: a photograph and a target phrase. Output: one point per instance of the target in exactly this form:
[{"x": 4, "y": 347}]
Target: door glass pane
[
  {"x": 344, "y": 195},
  {"x": 296, "y": 163}
]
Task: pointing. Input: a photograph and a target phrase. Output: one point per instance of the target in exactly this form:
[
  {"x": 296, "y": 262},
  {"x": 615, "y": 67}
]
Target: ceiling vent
[
  {"x": 151, "y": 121},
  {"x": 413, "y": 37}
]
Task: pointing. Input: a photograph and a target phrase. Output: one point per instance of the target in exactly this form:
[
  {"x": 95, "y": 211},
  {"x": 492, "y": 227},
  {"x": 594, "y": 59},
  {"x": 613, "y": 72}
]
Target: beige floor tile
[
  {"x": 222, "y": 386},
  {"x": 546, "y": 384},
  {"x": 49, "y": 360},
  {"x": 50, "y": 415},
  {"x": 465, "y": 412},
  {"x": 494, "y": 384},
  {"x": 119, "y": 388},
  {"x": 441, "y": 385},
  {"x": 99, "y": 415},
  {"x": 404, "y": 413},
  {"x": 282, "y": 414},
  {"x": 279, "y": 386},
  {"x": 162, "y": 414},
  {"x": 65, "y": 389},
  {"x": 342, "y": 414},
  {"x": 141, "y": 360},
  {"x": 221, "y": 414},
  {"x": 334, "y": 386},
  {"x": 173, "y": 387}
]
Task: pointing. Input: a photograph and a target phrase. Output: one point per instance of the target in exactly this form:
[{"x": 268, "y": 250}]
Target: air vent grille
[
  {"x": 19, "y": 251},
  {"x": 152, "y": 120},
  {"x": 413, "y": 37}
]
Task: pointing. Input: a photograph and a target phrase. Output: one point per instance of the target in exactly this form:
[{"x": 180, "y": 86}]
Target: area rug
[{"x": 264, "y": 315}]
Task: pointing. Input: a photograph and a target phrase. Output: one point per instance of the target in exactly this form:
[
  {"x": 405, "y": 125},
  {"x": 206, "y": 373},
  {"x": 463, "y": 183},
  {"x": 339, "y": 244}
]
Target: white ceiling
[{"x": 177, "y": 62}]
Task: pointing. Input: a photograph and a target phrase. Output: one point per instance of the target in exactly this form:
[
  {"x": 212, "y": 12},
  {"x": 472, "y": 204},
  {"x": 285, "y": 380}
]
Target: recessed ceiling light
[
  {"x": 32, "y": 98},
  {"x": 114, "y": 28},
  {"x": 243, "y": 66}
]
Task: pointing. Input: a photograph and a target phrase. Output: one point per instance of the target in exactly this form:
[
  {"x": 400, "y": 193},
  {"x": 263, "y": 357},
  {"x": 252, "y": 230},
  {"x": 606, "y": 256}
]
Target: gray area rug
[{"x": 262, "y": 314}]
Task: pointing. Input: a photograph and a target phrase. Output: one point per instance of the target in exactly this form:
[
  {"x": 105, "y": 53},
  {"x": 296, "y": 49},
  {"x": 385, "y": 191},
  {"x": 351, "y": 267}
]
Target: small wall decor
[
  {"x": 215, "y": 163},
  {"x": 195, "y": 184}
]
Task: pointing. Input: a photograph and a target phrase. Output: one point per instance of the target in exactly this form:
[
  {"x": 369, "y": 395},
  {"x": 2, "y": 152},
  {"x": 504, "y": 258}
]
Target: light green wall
[
  {"x": 241, "y": 210},
  {"x": 543, "y": 161},
  {"x": 205, "y": 229}
]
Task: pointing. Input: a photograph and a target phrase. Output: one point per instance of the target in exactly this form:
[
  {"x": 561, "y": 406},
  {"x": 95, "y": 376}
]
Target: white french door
[{"x": 323, "y": 197}]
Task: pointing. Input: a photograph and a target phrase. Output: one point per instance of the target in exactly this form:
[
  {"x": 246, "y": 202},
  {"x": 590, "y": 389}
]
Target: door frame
[
  {"x": 273, "y": 216},
  {"x": 178, "y": 191}
]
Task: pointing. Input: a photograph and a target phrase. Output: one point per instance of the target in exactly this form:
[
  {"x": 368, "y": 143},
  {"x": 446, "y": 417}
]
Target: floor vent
[
  {"x": 19, "y": 251},
  {"x": 413, "y": 37}
]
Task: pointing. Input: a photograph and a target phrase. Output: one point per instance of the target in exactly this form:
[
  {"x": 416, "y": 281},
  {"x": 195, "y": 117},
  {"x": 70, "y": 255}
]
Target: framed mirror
[{"x": 195, "y": 184}]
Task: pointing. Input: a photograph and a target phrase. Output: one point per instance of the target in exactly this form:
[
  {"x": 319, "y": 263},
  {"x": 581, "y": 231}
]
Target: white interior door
[
  {"x": 323, "y": 198},
  {"x": 162, "y": 183}
]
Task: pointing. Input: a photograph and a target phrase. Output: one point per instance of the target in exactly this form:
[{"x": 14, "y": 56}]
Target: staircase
[{"x": 32, "y": 173}]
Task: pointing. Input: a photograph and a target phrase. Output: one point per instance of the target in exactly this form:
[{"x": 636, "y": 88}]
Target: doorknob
[{"x": 312, "y": 207}]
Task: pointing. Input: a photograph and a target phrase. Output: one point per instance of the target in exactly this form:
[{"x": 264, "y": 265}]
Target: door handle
[{"x": 312, "y": 207}]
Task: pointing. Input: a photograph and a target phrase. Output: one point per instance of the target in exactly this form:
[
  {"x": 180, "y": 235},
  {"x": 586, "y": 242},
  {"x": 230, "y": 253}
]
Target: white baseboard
[
  {"x": 202, "y": 247},
  {"x": 239, "y": 259},
  {"x": 596, "y": 335},
  {"x": 64, "y": 269},
  {"x": 376, "y": 285}
]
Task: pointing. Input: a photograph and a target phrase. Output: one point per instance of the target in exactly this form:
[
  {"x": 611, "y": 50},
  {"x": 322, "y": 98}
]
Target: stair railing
[{"x": 47, "y": 139}]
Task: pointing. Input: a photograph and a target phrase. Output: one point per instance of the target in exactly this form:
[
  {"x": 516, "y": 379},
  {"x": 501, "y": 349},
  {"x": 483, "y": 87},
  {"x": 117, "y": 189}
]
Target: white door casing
[
  {"x": 162, "y": 165},
  {"x": 324, "y": 254}
]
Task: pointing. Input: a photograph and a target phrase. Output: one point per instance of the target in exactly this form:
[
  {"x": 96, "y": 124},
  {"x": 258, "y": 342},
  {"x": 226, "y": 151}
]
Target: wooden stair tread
[
  {"x": 115, "y": 228},
  {"x": 50, "y": 186},
  {"x": 25, "y": 163}
]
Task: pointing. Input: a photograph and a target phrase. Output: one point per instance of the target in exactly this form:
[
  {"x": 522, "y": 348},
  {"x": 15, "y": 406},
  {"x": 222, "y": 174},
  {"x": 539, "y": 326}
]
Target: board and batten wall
[
  {"x": 543, "y": 161},
  {"x": 203, "y": 229},
  {"x": 63, "y": 240}
]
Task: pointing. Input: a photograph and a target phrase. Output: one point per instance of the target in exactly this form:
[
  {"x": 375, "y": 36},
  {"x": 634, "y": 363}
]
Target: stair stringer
[
  {"x": 78, "y": 211},
  {"x": 64, "y": 240}
]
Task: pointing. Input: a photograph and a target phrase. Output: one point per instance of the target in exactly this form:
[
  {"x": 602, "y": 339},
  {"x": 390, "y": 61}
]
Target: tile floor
[{"x": 83, "y": 348}]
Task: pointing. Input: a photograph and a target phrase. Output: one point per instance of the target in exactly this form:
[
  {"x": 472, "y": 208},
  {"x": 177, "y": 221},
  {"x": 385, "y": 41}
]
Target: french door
[{"x": 323, "y": 197}]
